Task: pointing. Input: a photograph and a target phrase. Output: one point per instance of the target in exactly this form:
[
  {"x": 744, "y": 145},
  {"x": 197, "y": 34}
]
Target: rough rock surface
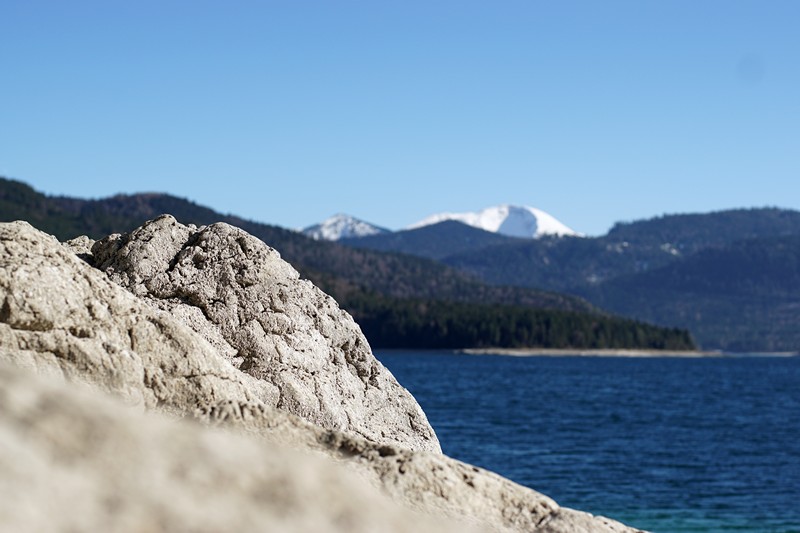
[
  {"x": 59, "y": 316},
  {"x": 253, "y": 307},
  {"x": 80, "y": 462},
  {"x": 63, "y": 318}
]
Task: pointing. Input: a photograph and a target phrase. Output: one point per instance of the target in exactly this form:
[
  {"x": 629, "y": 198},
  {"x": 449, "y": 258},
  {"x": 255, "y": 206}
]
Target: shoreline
[{"x": 610, "y": 352}]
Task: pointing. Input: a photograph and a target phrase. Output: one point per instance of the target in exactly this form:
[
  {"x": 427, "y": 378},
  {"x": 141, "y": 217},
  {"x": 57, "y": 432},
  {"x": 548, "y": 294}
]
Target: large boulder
[
  {"x": 61, "y": 317},
  {"x": 238, "y": 293}
]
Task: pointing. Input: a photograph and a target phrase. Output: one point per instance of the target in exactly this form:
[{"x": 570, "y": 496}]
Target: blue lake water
[{"x": 663, "y": 444}]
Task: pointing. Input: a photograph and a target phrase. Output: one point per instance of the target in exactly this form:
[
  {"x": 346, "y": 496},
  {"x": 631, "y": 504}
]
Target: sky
[{"x": 287, "y": 112}]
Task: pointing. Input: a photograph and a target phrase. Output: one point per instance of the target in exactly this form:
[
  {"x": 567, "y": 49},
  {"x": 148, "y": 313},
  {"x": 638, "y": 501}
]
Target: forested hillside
[
  {"x": 742, "y": 297},
  {"x": 436, "y": 241},
  {"x": 437, "y": 324},
  {"x": 689, "y": 233}
]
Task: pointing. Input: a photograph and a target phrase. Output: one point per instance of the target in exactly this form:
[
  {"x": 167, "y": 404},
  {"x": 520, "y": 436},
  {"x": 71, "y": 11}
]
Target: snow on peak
[
  {"x": 341, "y": 226},
  {"x": 511, "y": 220}
]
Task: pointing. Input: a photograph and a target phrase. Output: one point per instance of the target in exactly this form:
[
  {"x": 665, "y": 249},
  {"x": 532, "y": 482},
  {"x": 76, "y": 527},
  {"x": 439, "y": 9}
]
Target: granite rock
[
  {"x": 61, "y": 317},
  {"x": 252, "y": 306}
]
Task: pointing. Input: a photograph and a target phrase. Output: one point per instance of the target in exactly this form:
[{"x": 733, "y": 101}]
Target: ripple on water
[{"x": 665, "y": 444}]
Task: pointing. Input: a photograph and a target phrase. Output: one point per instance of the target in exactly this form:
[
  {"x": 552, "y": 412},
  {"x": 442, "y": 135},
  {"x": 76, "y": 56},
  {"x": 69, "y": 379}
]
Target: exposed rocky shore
[{"x": 184, "y": 378}]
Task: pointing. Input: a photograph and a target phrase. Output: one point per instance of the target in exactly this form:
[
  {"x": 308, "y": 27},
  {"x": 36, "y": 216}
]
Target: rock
[
  {"x": 253, "y": 307},
  {"x": 81, "y": 462},
  {"x": 580, "y": 522},
  {"x": 82, "y": 247},
  {"x": 63, "y": 318}
]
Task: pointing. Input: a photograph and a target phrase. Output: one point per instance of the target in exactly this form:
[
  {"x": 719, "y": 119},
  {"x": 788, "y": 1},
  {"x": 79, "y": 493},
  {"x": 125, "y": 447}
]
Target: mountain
[
  {"x": 414, "y": 298},
  {"x": 629, "y": 248},
  {"x": 728, "y": 276},
  {"x": 340, "y": 270},
  {"x": 341, "y": 226},
  {"x": 731, "y": 277},
  {"x": 435, "y": 241},
  {"x": 510, "y": 220}
]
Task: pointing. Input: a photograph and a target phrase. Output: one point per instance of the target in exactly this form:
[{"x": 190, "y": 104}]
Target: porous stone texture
[
  {"x": 252, "y": 306},
  {"x": 62, "y": 318},
  {"x": 81, "y": 246}
]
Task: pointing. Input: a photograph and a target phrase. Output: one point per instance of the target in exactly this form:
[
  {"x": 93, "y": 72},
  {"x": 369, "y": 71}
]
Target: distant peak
[
  {"x": 342, "y": 226},
  {"x": 506, "y": 219}
]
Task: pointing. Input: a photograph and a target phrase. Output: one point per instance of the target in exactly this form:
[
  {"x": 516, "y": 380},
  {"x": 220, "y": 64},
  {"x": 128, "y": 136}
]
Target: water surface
[{"x": 664, "y": 444}]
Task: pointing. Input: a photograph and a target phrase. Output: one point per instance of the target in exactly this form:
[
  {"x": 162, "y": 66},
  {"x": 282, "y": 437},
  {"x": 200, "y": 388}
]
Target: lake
[{"x": 663, "y": 444}]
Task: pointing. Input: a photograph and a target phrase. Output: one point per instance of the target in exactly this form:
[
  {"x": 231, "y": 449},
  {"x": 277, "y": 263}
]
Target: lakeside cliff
[{"x": 189, "y": 379}]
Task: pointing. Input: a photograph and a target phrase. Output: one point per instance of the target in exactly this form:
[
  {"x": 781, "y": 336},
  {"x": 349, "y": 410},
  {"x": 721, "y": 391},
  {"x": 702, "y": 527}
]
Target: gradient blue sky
[{"x": 289, "y": 111}]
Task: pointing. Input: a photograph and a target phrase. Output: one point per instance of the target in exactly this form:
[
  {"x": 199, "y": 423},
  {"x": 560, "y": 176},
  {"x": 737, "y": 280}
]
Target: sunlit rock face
[{"x": 253, "y": 307}]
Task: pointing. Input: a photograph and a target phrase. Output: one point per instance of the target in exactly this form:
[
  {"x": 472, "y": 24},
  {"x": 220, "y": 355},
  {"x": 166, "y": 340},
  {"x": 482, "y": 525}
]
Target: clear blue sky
[{"x": 289, "y": 111}]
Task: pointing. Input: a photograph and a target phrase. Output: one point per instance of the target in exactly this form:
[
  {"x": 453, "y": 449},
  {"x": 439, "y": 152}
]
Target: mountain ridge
[
  {"x": 434, "y": 241},
  {"x": 629, "y": 269},
  {"x": 364, "y": 282}
]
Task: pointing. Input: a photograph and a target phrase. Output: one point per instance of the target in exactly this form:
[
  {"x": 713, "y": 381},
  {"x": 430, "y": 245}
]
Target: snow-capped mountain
[
  {"x": 511, "y": 220},
  {"x": 342, "y": 226}
]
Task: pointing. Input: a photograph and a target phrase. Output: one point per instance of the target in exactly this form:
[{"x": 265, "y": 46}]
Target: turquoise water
[{"x": 663, "y": 444}]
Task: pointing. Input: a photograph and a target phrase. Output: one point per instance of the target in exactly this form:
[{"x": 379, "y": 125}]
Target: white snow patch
[
  {"x": 341, "y": 226},
  {"x": 670, "y": 249},
  {"x": 511, "y": 220}
]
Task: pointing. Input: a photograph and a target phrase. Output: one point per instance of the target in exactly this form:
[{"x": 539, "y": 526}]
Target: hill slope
[
  {"x": 435, "y": 241},
  {"x": 741, "y": 297}
]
